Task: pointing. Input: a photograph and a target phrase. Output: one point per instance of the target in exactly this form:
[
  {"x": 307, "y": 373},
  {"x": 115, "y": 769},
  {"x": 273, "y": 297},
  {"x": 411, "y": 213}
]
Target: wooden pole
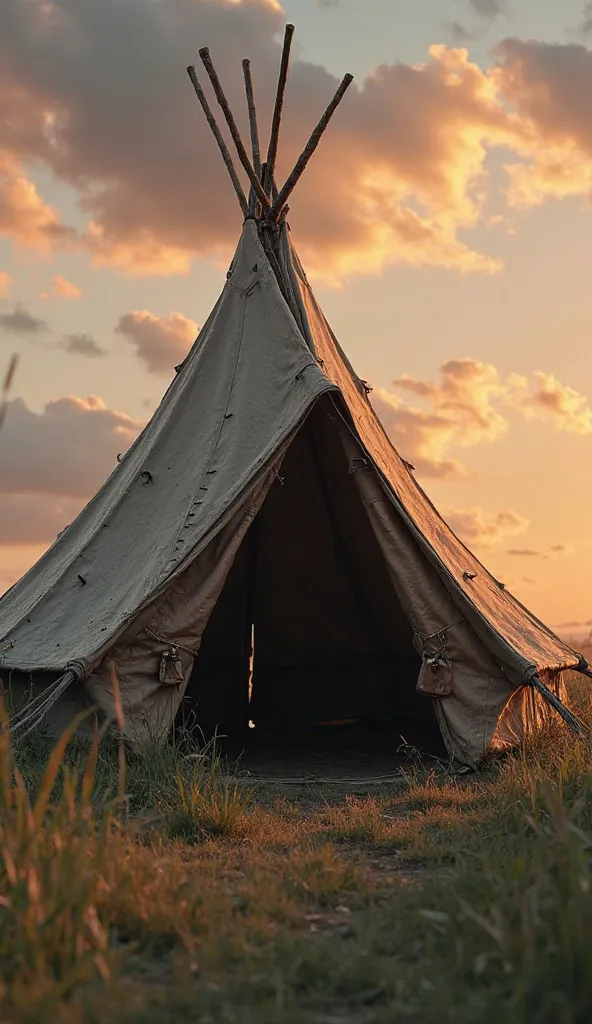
[
  {"x": 238, "y": 142},
  {"x": 252, "y": 118},
  {"x": 308, "y": 150},
  {"x": 277, "y": 110},
  {"x": 219, "y": 139},
  {"x": 6, "y": 386}
]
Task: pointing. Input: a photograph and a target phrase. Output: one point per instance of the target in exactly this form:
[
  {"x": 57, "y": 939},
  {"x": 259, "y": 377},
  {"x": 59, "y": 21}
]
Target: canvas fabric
[
  {"x": 178, "y": 618},
  {"x": 518, "y": 639},
  {"x": 247, "y": 383}
]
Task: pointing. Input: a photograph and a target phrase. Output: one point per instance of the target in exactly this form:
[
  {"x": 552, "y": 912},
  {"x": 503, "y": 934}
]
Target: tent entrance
[{"x": 309, "y": 583}]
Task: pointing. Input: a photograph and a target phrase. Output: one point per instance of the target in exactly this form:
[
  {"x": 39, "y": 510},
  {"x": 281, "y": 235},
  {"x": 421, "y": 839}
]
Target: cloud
[
  {"x": 458, "y": 33},
  {"x": 24, "y": 215},
  {"x": 61, "y": 288},
  {"x": 486, "y": 10},
  {"x": 549, "y": 399},
  {"x": 468, "y": 405},
  {"x": 409, "y": 142},
  {"x": 403, "y": 178},
  {"x": 82, "y": 345},
  {"x": 462, "y": 413},
  {"x": 484, "y": 529},
  {"x": 52, "y": 462},
  {"x": 550, "y": 84},
  {"x": 20, "y": 321},
  {"x": 160, "y": 342},
  {"x": 556, "y": 551},
  {"x": 67, "y": 450},
  {"x": 585, "y": 26},
  {"x": 5, "y": 284},
  {"x": 489, "y": 8},
  {"x": 35, "y": 519},
  {"x": 561, "y": 549}
]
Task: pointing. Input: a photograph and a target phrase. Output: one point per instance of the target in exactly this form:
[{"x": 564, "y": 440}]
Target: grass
[{"x": 437, "y": 899}]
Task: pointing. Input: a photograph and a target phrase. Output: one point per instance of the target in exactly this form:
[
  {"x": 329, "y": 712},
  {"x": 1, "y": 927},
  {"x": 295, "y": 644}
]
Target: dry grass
[{"x": 437, "y": 899}]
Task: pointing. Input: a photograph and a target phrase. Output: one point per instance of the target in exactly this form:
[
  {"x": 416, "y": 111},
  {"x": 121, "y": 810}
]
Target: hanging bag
[{"x": 436, "y": 675}]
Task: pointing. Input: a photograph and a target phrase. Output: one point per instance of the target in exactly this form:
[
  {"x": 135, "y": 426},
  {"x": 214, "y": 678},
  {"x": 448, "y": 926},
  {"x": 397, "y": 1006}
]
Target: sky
[{"x": 445, "y": 222}]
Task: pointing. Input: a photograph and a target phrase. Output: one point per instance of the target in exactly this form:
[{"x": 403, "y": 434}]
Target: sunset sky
[{"x": 445, "y": 221}]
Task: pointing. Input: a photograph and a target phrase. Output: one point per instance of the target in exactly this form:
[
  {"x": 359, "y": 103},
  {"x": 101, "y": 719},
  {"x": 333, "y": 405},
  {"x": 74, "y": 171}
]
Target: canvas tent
[{"x": 264, "y": 500}]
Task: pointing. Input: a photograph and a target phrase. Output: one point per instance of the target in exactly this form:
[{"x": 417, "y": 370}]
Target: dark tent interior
[{"x": 309, "y": 595}]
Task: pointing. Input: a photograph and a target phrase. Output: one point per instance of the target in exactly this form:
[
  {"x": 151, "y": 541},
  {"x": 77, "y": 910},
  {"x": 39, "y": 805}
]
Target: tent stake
[
  {"x": 309, "y": 149},
  {"x": 252, "y": 118},
  {"x": 219, "y": 139},
  {"x": 238, "y": 142},
  {"x": 277, "y": 110}
]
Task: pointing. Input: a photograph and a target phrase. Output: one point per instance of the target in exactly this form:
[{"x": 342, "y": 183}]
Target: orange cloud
[
  {"x": 549, "y": 85},
  {"x": 462, "y": 413},
  {"x": 404, "y": 178},
  {"x": 160, "y": 342},
  {"x": 67, "y": 450},
  {"x": 5, "y": 284},
  {"x": 549, "y": 399},
  {"x": 61, "y": 288},
  {"x": 404, "y": 174},
  {"x": 468, "y": 405},
  {"x": 24, "y": 215},
  {"x": 141, "y": 254},
  {"x": 484, "y": 529},
  {"x": 51, "y": 463}
]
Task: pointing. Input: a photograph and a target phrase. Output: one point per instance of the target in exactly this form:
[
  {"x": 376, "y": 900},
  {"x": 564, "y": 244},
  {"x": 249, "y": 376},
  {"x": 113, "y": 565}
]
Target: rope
[
  {"x": 39, "y": 701},
  {"x": 376, "y": 780},
  {"x": 439, "y": 632},
  {"x": 169, "y": 643},
  {"x": 35, "y": 711}
]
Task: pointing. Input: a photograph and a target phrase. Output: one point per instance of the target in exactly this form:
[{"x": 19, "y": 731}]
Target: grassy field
[{"x": 195, "y": 897}]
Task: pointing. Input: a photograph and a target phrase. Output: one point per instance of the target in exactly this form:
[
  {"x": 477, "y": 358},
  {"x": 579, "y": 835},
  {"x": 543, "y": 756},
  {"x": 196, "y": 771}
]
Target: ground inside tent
[{"x": 344, "y": 752}]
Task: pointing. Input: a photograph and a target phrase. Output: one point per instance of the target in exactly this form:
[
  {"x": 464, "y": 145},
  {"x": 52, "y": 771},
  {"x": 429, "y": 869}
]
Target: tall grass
[
  {"x": 52, "y": 935},
  {"x": 511, "y": 925},
  {"x": 209, "y": 804},
  {"x": 76, "y": 869},
  {"x": 442, "y": 899}
]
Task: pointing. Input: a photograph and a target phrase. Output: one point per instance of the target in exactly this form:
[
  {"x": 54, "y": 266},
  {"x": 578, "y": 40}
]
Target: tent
[{"x": 262, "y": 552}]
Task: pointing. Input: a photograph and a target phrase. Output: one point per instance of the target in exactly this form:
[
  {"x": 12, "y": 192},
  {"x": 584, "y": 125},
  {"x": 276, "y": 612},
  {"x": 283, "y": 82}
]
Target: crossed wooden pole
[{"x": 264, "y": 202}]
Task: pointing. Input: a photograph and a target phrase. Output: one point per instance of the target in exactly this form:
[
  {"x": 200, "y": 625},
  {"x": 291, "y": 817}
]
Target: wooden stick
[
  {"x": 219, "y": 139},
  {"x": 5, "y": 395},
  {"x": 238, "y": 142},
  {"x": 252, "y": 118},
  {"x": 277, "y": 110},
  {"x": 309, "y": 149}
]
